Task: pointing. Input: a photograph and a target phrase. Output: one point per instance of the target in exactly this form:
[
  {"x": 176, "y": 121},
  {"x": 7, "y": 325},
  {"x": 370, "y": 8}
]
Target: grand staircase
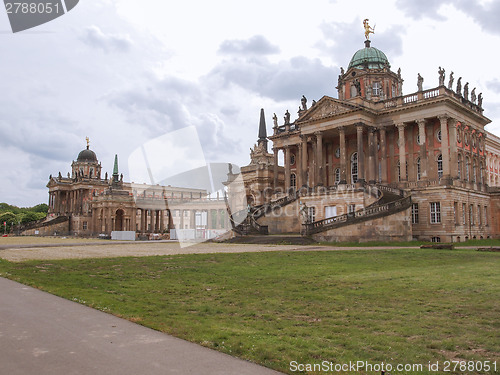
[{"x": 389, "y": 200}]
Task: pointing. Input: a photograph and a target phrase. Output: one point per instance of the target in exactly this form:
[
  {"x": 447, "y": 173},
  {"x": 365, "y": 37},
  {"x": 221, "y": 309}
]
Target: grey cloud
[
  {"x": 169, "y": 104},
  {"x": 341, "y": 40},
  {"x": 279, "y": 81},
  {"x": 95, "y": 38},
  {"x": 256, "y": 45},
  {"x": 485, "y": 15},
  {"x": 422, "y": 8},
  {"x": 40, "y": 134},
  {"x": 494, "y": 85}
]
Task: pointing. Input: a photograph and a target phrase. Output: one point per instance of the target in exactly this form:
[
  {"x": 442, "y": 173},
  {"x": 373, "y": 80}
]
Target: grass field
[{"x": 403, "y": 306}]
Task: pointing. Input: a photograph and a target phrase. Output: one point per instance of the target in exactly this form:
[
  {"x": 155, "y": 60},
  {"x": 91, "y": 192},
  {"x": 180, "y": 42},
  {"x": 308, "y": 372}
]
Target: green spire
[{"x": 115, "y": 169}]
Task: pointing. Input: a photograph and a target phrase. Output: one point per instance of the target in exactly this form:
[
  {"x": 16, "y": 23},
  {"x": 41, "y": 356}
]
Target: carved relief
[{"x": 328, "y": 109}]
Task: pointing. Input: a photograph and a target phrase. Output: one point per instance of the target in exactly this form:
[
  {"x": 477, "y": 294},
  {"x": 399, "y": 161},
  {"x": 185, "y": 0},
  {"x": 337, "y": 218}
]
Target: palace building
[
  {"x": 376, "y": 164},
  {"x": 85, "y": 203},
  {"x": 371, "y": 164}
]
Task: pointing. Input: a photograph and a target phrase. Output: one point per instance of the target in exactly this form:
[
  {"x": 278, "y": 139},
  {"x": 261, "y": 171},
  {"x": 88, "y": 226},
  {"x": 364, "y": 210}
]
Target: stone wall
[
  {"x": 395, "y": 227},
  {"x": 283, "y": 219},
  {"x": 57, "y": 228},
  {"x": 454, "y": 227}
]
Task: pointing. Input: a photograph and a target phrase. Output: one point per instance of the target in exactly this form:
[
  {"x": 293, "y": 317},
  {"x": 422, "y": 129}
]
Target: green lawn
[{"x": 392, "y": 306}]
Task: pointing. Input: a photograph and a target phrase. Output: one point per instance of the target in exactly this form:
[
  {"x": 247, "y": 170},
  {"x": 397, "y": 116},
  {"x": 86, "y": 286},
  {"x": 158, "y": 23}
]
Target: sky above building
[{"x": 126, "y": 72}]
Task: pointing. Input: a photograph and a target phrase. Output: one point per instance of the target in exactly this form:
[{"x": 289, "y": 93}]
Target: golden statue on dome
[
  {"x": 368, "y": 29},
  {"x": 87, "y": 139}
]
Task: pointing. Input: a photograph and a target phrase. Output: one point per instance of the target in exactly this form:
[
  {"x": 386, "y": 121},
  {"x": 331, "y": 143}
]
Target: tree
[
  {"x": 9, "y": 218},
  {"x": 42, "y": 207}
]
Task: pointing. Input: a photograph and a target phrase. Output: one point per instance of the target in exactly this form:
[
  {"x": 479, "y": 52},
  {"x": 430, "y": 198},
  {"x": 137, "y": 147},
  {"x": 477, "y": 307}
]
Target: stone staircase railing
[{"x": 376, "y": 210}]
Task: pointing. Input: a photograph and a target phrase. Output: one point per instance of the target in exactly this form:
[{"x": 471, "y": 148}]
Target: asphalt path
[{"x": 44, "y": 334}]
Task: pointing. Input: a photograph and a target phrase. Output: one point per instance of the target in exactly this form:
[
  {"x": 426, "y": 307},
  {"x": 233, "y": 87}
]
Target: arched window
[
  {"x": 399, "y": 170},
  {"x": 440, "y": 166},
  {"x": 293, "y": 180},
  {"x": 418, "y": 169},
  {"x": 481, "y": 173},
  {"x": 354, "y": 167},
  {"x": 467, "y": 168},
  {"x": 459, "y": 161},
  {"x": 337, "y": 175}
]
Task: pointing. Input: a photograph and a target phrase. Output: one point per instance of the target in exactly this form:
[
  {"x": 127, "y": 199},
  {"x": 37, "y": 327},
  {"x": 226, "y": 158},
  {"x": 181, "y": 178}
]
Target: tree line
[{"x": 13, "y": 215}]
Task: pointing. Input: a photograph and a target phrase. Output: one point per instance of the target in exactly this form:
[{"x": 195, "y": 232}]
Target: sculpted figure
[
  {"x": 441, "y": 76},
  {"x": 420, "y": 81},
  {"x": 459, "y": 86},
  {"x": 466, "y": 91},
  {"x": 275, "y": 120},
  {"x": 473, "y": 96},
  {"x": 480, "y": 100},
  {"x": 287, "y": 117},
  {"x": 357, "y": 84},
  {"x": 368, "y": 30},
  {"x": 450, "y": 82},
  {"x": 304, "y": 102}
]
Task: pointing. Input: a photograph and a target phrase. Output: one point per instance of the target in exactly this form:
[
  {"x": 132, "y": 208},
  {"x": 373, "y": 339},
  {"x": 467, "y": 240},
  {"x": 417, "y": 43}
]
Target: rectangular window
[
  {"x": 351, "y": 208},
  {"x": 414, "y": 213},
  {"x": 312, "y": 214},
  {"x": 85, "y": 225},
  {"x": 485, "y": 215},
  {"x": 455, "y": 212},
  {"x": 464, "y": 214},
  {"x": 479, "y": 216},
  {"x": 436, "y": 239},
  {"x": 471, "y": 214},
  {"x": 377, "y": 89},
  {"x": 330, "y": 211},
  {"x": 435, "y": 213}
]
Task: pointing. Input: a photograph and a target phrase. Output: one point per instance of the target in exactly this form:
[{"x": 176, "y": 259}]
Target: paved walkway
[{"x": 44, "y": 334}]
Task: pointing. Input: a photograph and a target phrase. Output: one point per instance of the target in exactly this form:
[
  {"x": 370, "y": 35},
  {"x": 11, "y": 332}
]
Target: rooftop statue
[
  {"x": 368, "y": 30},
  {"x": 441, "y": 76},
  {"x": 459, "y": 86},
  {"x": 450, "y": 82},
  {"x": 420, "y": 82}
]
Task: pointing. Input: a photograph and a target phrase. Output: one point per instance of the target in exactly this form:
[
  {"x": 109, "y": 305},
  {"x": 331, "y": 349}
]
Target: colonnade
[
  {"x": 67, "y": 201},
  {"x": 374, "y": 155}
]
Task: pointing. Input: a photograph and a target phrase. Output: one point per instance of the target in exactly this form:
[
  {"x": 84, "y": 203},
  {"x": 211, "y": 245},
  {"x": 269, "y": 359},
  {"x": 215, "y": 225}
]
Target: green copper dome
[{"x": 369, "y": 58}]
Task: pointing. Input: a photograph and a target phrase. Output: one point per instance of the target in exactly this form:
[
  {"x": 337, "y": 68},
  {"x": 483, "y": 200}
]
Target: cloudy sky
[{"x": 125, "y": 72}]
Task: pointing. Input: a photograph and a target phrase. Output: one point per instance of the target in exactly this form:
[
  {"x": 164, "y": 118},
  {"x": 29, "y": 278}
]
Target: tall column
[
  {"x": 371, "y": 156},
  {"x": 402, "y": 151},
  {"x": 298, "y": 165},
  {"x": 361, "y": 154},
  {"x": 181, "y": 219},
  {"x": 304, "y": 160},
  {"x": 162, "y": 224},
  {"x": 287, "y": 168},
  {"x": 343, "y": 156},
  {"x": 320, "y": 170},
  {"x": 445, "y": 152},
  {"x": 133, "y": 224},
  {"x": 383, "y": 155},
  {"x": 423, "y": 149},
  {"x": 192, "y": 219},
  {"x": 453, "y": 149},
  {"x": 157, "y": 221},
  {"x": 108, "y": 220},
  {"x": 275, "y": 167},
  {"x": 152, "y": 222}
]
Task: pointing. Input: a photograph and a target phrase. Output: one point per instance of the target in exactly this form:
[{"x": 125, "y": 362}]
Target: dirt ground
[{"x": 19, "y": 249}]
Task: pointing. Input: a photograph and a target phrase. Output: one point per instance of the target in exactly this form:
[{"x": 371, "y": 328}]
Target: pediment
[{"x": 326, "y": 107}]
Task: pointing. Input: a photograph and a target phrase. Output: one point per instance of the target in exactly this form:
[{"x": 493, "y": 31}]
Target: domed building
[
  {"x": 85, "y": 203},
  {"x": 375, "y": 164}
]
